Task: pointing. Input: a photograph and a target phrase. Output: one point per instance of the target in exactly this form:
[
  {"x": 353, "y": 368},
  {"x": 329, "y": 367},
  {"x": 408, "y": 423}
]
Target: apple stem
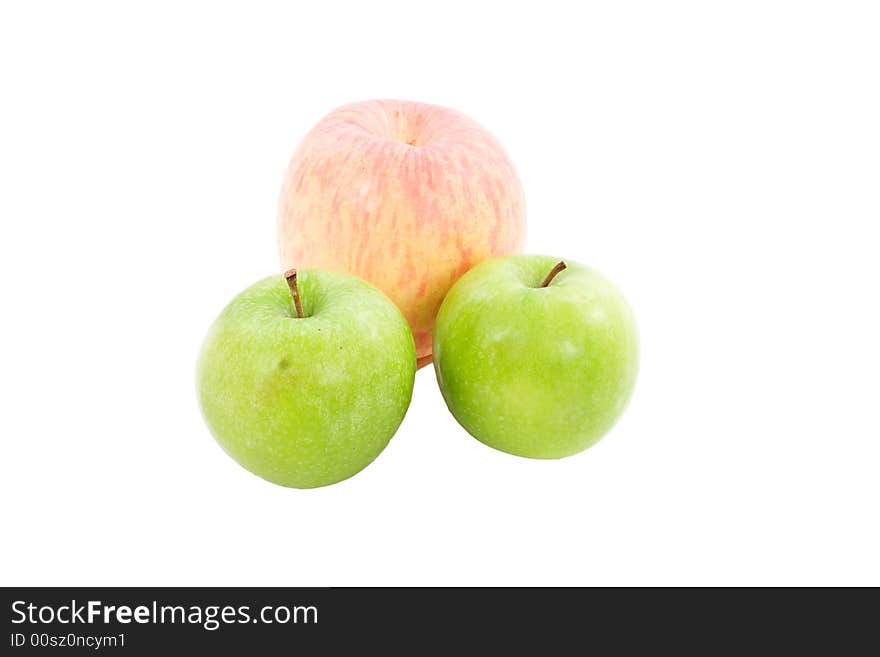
[
  {"x": 290, "y": 275},
  {"x": 558, "y": 267}
]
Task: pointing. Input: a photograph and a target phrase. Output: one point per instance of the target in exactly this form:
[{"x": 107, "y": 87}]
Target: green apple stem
[
  {"x": 290, "y": 275},
  {"x": 558, "y": 267}
]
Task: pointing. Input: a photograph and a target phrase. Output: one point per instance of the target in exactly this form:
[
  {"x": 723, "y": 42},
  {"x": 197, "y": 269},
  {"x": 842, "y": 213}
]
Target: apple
[
  {"x": 405, "y": 195},
  {"x": 535, "y": 356},
  {"x": 304, "y": 382}
]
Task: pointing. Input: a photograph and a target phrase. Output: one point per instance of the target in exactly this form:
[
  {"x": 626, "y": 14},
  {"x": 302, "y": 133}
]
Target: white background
[{"x": 719, "y": 161}]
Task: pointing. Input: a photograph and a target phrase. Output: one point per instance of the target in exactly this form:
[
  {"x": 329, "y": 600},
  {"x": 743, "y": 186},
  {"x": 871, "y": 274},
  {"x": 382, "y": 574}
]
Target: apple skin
[
  {"x": 405, "y": 195},
  {"x": 306, "y": 402},
  {"x": 532, "y": 371}
]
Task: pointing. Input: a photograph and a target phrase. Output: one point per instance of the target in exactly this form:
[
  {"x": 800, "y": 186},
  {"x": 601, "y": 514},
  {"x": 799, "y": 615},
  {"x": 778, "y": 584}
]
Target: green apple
[
  {"x": 535, "y": 356},
  {"x": 304, "y": 381}
]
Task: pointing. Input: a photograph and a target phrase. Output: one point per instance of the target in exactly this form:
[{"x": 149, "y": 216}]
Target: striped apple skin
[{"x": 408, "y": 196}]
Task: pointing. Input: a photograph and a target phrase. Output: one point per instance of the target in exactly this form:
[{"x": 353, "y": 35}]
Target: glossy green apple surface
[
  {"x": 307, "y": 401},
  {"x": 542, "y": 372}
]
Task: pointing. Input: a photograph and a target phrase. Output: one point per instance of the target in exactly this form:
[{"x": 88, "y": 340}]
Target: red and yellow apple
[{"x": 406, "y": 195}]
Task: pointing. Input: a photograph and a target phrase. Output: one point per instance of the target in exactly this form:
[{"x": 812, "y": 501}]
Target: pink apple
[{"x": 406, "y": 195}]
